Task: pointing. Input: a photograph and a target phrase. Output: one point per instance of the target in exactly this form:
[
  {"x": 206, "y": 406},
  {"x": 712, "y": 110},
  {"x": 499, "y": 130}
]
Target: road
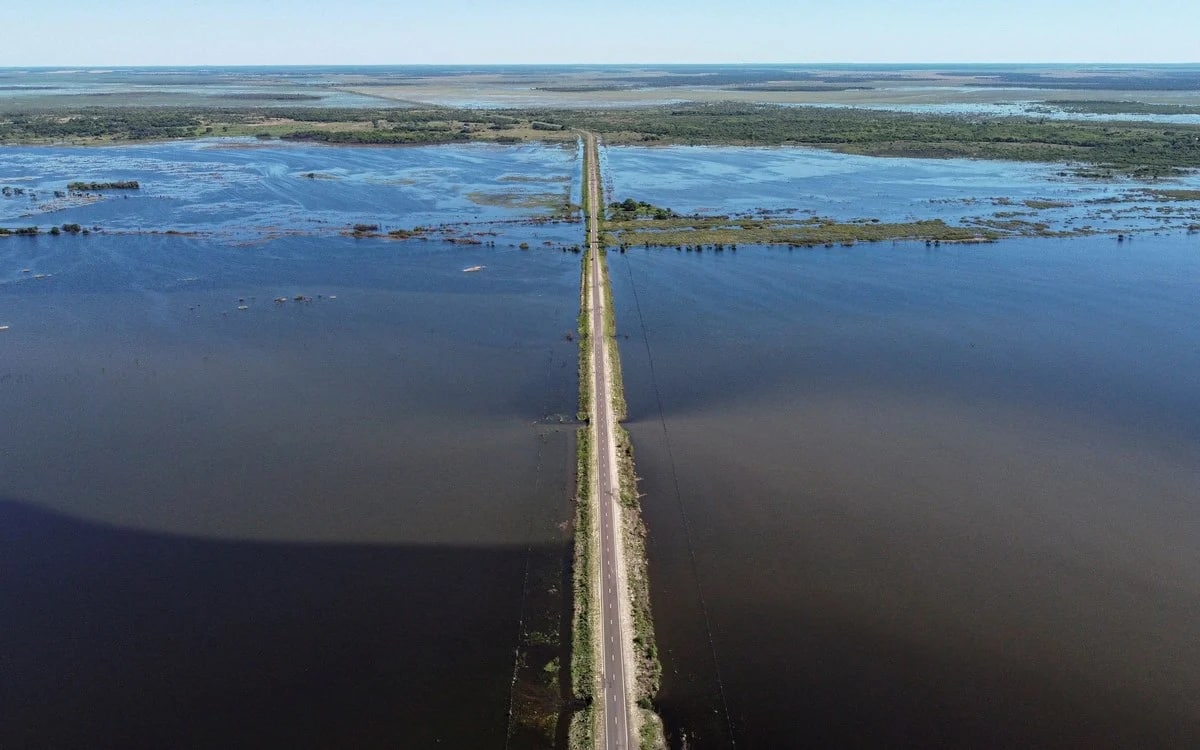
[{"x": 615, "y": 645}]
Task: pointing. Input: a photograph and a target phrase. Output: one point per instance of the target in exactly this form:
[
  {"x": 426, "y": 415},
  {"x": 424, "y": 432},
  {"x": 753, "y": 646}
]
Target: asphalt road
[{"x": 614, "y": 690}]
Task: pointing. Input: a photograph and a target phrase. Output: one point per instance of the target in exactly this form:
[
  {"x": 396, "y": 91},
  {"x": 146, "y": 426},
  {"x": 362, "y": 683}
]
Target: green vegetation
[
  {"x": 585, "y": 345},
  {"x": 582, "y": 734},
  {"x": 583, "y": 659},
  {"x": 92, "y": 123},
  {"x": 377, "y": 137},
  {"x": 649, "y": 669},
  {"x": 653, "y": 735},
  {"x": 83, "y": 187},
  {"x": 1044, "y": 204},
  {"x": 721, "y": 232},
  {"x": 1172, "y": 195},
  {"x": 629, "y": 210},
  {"x": 620, "y": 410},
  {"x": 1144, "y": 149},
  {"x": 384, "y": 126},
  {"x": 20, "y": 232},
  {"x": 559, "y": 205},
  {"x": 1138, "y": 148}
]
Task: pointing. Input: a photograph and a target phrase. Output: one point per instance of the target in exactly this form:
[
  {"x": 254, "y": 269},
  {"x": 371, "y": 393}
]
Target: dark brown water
[
  {"x": 900, "y": 497},
  {"x": 304, "y": 524}
]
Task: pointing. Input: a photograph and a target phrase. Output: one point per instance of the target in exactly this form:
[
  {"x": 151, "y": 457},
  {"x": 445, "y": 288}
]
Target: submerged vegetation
[{"x": 1102, "y": 107}]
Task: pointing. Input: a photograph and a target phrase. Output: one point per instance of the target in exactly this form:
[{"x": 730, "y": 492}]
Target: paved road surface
[{"x": 615, "y": 688}]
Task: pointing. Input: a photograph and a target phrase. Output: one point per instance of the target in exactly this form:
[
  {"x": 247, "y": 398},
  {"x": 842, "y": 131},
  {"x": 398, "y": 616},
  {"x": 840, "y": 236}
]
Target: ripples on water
[
  {"x": 306, "y": 523},
  {"x": 938, "y": 497},
  {"x": 934, "y": 497}
]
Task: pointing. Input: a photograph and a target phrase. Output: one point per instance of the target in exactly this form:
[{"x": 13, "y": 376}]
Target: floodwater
[
  {"x": 730, "y": 180},
  {"x": 314, "y": 523},
  {"x": 241, "y": 188},
  {"x": 1034, "y": 109},
  {"x": 910, "y": 496}
]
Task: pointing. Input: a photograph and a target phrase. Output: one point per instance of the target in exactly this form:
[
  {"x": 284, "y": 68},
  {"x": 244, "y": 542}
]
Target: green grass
[
  {"x": 653, "y": 735},
  {"x": 583, "y": 667},
  {"x": 721, "y": 232},
  {"x": 582, "y": 734},
  {"x": 1173, "y": 195},
  {"x": 649, "y": 669},
  {"x": 1044, "y": 204},
  {"x": 619, "y": 407},
  {"x": 585, "y": 345},
  {"x": 558, "y": 204}
]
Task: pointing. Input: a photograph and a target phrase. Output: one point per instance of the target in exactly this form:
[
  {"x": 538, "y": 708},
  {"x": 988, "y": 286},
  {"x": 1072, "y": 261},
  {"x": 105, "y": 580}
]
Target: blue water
[
  {"x": 243, "y": 189},
  {"x": 308, "y": 522},
  {"x": 909, "y": 496},
  {"x": 732, "y": 180}
]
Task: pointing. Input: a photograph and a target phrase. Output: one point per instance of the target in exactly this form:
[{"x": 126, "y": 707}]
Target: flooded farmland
[
  {"x": 902, "y": 495},
  {"x": 1008, "y": 196},
  {"x": 289, "y": 452},
  {"x": 285, "y": 489},
  {"x": 920, "y": 497}
]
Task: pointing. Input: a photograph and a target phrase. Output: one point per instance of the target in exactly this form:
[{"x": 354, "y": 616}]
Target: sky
[{"x": 369, "y": 32}]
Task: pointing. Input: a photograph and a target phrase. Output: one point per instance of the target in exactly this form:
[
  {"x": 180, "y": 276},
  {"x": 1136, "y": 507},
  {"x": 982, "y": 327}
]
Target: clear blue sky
[{"x": 213, "y": 32}]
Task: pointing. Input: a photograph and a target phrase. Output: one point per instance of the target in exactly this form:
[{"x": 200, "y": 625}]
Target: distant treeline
[
  {"x": 1181, "y": 79},
  {"x": 112, "y": 123},
  {"x": 1139, "y": 148},
  {"x": 368, "y": 137}
]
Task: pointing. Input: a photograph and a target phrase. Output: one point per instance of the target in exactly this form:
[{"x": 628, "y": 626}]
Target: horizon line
[{"x": 71, "y": 66}]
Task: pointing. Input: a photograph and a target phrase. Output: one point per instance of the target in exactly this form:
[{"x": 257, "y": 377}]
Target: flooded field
[
  {"x": 290, "y": 450},
  {"x": 306, "y": 490},
  {"x": 733, "y": 180},
  {"x": 1018, "y": 107},
  {"x": 901, "y": 496},
  {"x": 243, "y": 189}
]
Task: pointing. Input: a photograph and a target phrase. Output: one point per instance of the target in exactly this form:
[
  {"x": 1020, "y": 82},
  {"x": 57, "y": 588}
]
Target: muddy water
[
  {"x": 911, "y": 497},
  {"x": 317, "y": 523}
]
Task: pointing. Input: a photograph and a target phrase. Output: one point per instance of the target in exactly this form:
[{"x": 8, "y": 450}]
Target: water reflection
[{"x": 940, "y": 498}]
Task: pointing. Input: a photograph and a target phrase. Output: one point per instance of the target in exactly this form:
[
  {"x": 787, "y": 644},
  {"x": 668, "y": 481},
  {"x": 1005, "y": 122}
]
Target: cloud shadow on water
[{"x": 122, "y": 638}]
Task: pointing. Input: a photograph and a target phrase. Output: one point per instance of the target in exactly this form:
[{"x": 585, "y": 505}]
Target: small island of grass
[{"x": 86, "y": 187}]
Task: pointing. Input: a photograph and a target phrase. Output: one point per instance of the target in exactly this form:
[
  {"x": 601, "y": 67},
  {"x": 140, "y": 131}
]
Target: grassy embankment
[
  {"x": 1098, "y": 149},
  {"x": 648, "y": 668},
  {"x": 582, "y": 732}
]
